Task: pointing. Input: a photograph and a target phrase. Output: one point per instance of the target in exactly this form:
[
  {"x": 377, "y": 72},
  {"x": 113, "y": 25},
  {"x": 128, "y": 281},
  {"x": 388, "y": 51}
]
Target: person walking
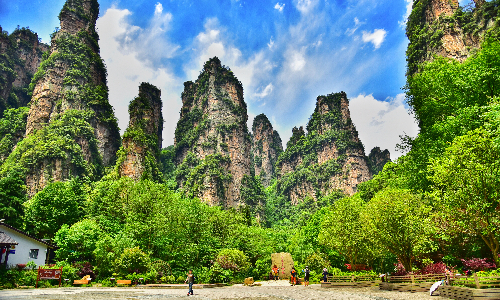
[
  {"x": 293, "y": 273},
  {"x": 306, "y": 276},
  {"x": 276, "y": 272},
  {"x": 325, "y": 275},
  {"x": 190, "y": 281}
]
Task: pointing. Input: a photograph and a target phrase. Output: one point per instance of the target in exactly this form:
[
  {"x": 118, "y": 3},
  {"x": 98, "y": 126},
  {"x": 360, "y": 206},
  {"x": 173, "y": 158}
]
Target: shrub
[
  {"x": 435, "y": 268},
  {"x": 132, "y": 260},
  {"x": 232, "y": 259},
  {"x": 478, "y": 264},
  {"x": 85, "y": 269},
  {"x": 317, "y": 262}
]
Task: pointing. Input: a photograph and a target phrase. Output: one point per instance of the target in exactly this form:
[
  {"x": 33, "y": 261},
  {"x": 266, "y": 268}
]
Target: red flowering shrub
[
  {"x": 436, "y": 268},
  {"x": 478, "y": 264},
  {"x": 399, "y": 270}
]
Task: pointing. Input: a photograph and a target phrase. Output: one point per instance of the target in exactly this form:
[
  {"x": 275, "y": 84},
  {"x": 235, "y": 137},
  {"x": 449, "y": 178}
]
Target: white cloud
[
  {"x": 279, "y": 6},
  {"x": 158, "y": 8},
  {"x": 270, "y": 45},
  {"x": 128, "y": 65},
  {"x": 357, "y": 24},
  {"x": 409, "y": 4},
  {"x": 305, "y": 6},
  {"x": 376, "y": 37},
  {"x": 380, "y": 123},
  {"x": 266, "y": 91},
  {"x": 296, "y": 61}
]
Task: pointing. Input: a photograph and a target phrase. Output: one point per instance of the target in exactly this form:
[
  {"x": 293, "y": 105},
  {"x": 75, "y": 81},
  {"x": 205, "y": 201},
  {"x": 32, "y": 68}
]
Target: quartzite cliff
[
  {"x": 212, "y": 142},
  {"x": 138, "y": 156},
  {"x": 329, "y": 157},
  {"x": 20, "y": 56},
  {"x": 71, "y": 129},
  {"x": 266, "y": 147},
  {"x": 441, "y": 27}
]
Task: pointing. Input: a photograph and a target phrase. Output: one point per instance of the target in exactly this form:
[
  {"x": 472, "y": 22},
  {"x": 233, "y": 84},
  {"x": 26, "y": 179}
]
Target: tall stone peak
[
  {"x": 443, "y": 28},
  {"x": 266, "y": 147},
  {"x": 212, "y": 142},
  {"x": 21, "y": 54},
  {"x": 77, "y": 15},
  {"x": 139, "y": 154},
  {"x": 69, "y": 87},
  {"x": 377, "y": 159},
  {"x": 297, "y": 134},
  {"x": 330, "y": 157}
]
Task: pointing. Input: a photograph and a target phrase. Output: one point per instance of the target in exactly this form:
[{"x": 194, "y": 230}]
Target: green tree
[
  {"x": 467, "y": 180},
  {"x": 398, "y": 221},
  {"x": 12, "y": 195},
  {"x": 57, "y": 204},
  {"x": 78, "y": 242},
  {"x": 342, "y": 230},
  {"x": 132, "y": 260}
]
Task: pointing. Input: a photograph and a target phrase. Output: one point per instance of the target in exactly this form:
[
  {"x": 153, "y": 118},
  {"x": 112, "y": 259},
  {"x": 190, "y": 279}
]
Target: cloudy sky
[{"x": 285, "y": 53}]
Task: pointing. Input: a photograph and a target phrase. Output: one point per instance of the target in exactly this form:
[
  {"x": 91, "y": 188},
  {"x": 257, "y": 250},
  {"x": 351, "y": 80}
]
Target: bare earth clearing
[{"x": 280, "y": 291}]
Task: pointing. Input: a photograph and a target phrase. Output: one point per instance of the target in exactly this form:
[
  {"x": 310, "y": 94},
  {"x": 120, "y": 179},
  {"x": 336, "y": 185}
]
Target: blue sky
[{"x": 286, "y": 53}]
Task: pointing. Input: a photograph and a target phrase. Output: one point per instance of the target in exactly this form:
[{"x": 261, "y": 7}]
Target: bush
[
  {"x": 478, "y": 264},
  {"x": 85, "y": 269},
  {"x": 435, "y": 268},
  {"x": 317, "y": 262},
  {"x": 232, "y": 259},
  {"x": 132, "y": 260}
]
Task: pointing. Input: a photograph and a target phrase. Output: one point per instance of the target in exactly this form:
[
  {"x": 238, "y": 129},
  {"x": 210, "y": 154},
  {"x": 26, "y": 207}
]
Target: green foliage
[
  {"x": 398, "y": 221},
  {"x": 59, "y": 203},
  {"x": 343, "y": 230},
  {"x": 466, "y": 180},
  {"x": 12, "y": 129},
  {"x": 78, "y": 242},
  {"x": 233, "y": 259},
  {"x": 132, "y": 260},
  {"x": 13, "y": 195}
]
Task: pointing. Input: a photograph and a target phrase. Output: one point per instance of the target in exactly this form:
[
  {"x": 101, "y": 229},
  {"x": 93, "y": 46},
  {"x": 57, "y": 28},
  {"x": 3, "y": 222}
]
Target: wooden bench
[
  {"x": 81, "y": 282},
  {"x": 124, "y": 282}
]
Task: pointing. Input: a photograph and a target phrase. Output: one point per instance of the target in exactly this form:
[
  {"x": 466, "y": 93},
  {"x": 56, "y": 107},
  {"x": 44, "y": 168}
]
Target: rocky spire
[
  {"x": 266, "y": 147},
  {"x": 212, "y": 143},
  {"x": 69, "y": 88},
  {"x": 21, "y": 53},
  {"x": 138, "y": 157},
  {"x": 329, "y": 157},
  {"x": 377, "y": 159}
]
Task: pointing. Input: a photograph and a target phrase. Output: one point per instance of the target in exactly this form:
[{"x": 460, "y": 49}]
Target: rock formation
[
  {"x": 69, "y": 88},
  {"x": 21, "y": 55},
  {"x": 266, "y": 147},
  {"x": 329, "y": 157},
  {"x": 377, "y": 159},
  {"x": 441, "y": 27},
  {"x": 212, "y": 143},
  {"x": 139, "y": 154}
]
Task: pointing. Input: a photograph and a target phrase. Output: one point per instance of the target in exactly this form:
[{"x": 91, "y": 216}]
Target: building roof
[
  {"x": 6, "y": 240},
  {"x": 31, "y": 237}
]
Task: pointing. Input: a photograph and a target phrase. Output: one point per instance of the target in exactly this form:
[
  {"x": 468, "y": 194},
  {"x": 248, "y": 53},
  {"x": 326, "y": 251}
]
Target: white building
[{"x": 18, "y": 247}]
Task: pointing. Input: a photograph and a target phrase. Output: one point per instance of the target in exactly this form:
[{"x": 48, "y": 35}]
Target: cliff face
[
  {"x": 266, "y": 147},
  {"x": 441, "y": 27},
  {"x": 20, "y": 56},
  {"x": 329, "y": 157},
  {"x": 212, "y": 143},
  {"x": 69, "y": 88},
  {"x": 377, "y": 159},
  {"x": 139, "y": 154}
]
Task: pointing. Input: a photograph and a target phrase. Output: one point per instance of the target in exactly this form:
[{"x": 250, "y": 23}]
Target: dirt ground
[{"x": 266, "y": 292}]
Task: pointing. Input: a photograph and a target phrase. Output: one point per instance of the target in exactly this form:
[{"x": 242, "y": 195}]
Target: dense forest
[{"x": 155, "y": 212}]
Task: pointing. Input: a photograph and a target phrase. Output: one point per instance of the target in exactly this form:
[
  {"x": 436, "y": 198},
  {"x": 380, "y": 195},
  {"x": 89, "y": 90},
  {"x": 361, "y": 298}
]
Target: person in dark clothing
[
  {"x": 325, "y": 275},
  {"x": 306, "y": 276},
  {"x": 190, "y": 281},
  {"x": 294, "y": 276}
]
